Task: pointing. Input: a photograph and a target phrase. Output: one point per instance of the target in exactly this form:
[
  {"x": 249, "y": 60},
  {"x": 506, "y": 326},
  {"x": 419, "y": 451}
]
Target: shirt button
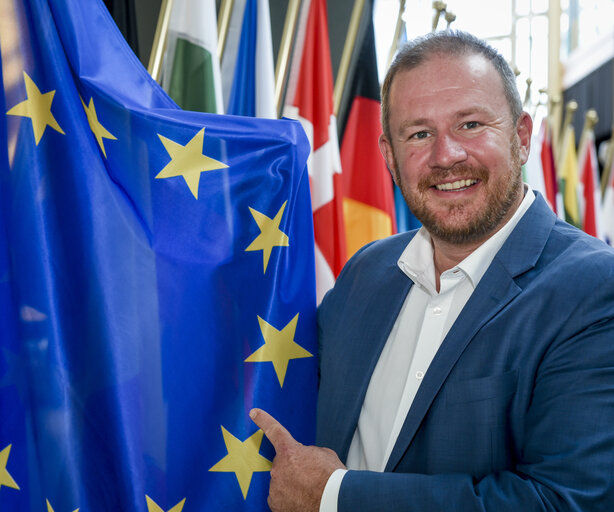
[
  {"x": 419, "y": 375},
  {"x": 437, "y": 310}
]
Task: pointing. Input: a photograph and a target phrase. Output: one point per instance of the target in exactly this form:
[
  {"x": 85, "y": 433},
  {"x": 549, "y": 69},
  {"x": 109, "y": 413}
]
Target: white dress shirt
[{"x": 423, "y": 322}]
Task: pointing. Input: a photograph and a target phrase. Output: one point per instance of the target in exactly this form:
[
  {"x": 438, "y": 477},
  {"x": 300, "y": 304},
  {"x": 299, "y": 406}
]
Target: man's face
[{"x": 454, "y": 150}]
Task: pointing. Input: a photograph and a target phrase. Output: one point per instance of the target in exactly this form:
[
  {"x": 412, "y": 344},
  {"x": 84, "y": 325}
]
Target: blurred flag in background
[
  {"x": 309, "y": 98},
  {"x": 248, "y": 72},
  {"x": 191, "y": 68}
]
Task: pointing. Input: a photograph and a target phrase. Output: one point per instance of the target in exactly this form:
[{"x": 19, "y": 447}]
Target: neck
[{"x": 447, "y": 255}]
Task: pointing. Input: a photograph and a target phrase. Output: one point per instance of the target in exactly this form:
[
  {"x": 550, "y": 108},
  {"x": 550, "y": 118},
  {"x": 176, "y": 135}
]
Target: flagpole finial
[
  {"x": 591, "y": 118},
  {"x": 439, "y": 7},
  {"x": 449, "y": 17},
  {"x": 527, "y": 94}
]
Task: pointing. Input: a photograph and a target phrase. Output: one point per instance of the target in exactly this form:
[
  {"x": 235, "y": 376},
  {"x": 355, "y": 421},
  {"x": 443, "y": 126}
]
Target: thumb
[{"x": 275, "y": 431}]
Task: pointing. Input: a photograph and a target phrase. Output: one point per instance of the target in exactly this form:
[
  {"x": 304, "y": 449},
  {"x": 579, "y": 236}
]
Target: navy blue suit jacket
[{"x": 516, "y": 411}]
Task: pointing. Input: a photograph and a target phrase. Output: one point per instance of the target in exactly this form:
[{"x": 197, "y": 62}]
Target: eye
[
  {"x": 419, "y": 135},
  {"x": 470, "y": 125}
]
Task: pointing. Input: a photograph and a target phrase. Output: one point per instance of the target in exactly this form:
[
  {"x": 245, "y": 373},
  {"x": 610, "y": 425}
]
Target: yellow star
[
  {"x": 188, "y": 161},
  {"x": 279, "y": 347},
  {"x": 5, "y": 478},
  {"x": 99, "y": 131},
  {"x": 50, "y": 508},
  {"x": 152, "y": 506},
  {"x": 38, "y": 108},
  {"x": 270, "y": 235},
  {"x": 243, "y": 458}
]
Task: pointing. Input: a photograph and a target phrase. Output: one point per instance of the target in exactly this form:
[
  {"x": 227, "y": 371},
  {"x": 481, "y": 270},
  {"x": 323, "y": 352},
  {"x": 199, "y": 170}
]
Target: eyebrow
[{"x": 459, "y": 115}]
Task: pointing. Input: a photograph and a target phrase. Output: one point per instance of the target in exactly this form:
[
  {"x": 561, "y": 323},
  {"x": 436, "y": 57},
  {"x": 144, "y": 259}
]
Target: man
[{"x": 468, "y": 365}]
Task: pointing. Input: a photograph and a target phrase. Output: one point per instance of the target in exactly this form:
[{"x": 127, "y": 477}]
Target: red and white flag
[
  {"x": 590, "y": 189},
  {"x": 309, "y": 98},
  {"x": 551, "y": 187}
]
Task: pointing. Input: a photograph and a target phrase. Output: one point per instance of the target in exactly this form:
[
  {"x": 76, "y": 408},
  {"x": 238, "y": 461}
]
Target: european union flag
[{"x": 156, "y": 280}]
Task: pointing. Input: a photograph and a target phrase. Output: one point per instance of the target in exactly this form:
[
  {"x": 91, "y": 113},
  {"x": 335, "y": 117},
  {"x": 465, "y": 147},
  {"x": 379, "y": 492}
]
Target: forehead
[{"x": 449, "y": 77}]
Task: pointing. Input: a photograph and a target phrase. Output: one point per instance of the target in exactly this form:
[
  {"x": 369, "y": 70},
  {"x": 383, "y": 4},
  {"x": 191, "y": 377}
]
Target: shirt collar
[{"x": 417, "y": 263}]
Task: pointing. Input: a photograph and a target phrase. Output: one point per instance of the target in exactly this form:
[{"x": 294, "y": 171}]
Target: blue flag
[
  {"x": 156, "y": 280},
  {"x": 406, "y": 220}
]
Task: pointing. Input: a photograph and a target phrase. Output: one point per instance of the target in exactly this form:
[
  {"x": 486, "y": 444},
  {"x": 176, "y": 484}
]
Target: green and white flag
[{"x": 191, "y": 68}]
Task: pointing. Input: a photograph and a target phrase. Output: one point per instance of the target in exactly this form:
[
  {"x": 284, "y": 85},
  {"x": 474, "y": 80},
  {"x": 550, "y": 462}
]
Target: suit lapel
[
  {"x": 496, "y": 289},
  {"x": 370, "y": 335}
]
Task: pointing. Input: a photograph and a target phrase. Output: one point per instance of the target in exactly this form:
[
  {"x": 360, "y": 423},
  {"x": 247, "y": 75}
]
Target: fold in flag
[
  {"x": 156, "y": 280},
  {"x": 368, "y": 201},
  {"x": 310, "y": 100}
]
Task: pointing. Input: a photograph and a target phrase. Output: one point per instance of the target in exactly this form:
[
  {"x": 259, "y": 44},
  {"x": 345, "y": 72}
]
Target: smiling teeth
[{"x": 456, "y": 185}]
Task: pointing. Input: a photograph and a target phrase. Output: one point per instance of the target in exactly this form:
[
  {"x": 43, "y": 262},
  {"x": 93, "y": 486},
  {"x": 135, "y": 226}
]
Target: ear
[
  {"x": 386, "y": 149},
  {"x": 524, "y": 129}
]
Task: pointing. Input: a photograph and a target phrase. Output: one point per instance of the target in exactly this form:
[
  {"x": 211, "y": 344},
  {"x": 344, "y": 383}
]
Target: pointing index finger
[{"x": 275, "y": 431}]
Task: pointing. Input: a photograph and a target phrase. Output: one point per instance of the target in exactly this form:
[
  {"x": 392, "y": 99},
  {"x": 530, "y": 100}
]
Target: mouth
[{"x": 456, "y": 186}]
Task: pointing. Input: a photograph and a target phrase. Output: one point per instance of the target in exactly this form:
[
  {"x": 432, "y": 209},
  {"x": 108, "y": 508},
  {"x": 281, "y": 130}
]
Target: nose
[{"x": 446, "y": 151}]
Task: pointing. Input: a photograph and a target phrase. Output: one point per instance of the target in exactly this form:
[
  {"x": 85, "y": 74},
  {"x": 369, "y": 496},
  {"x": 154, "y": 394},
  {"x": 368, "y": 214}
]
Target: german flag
[{"x": 368, "y": 200}]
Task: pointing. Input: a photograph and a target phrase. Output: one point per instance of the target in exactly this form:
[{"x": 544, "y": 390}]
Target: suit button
[{"x": 437, "y": 310}]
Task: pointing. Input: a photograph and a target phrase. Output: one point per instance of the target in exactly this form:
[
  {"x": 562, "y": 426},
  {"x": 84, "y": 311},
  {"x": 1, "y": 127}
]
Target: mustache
[{"x": 456, "y": 172}]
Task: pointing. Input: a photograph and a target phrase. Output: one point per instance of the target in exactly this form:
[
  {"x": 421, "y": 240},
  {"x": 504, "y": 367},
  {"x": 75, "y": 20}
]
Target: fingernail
[{"x": 252, "y": 413}]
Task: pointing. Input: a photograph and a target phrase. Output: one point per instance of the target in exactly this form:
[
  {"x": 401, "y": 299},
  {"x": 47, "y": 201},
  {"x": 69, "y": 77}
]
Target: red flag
[
  {"x": 310, "y": 100},
  {"x": 367, "y": 185},
  {"x": 590, "y": 186},
  {"x": 548, "y": 167}
]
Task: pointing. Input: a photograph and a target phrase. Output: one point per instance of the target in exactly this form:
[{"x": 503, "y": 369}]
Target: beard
[{"x": 458, "y": 226}]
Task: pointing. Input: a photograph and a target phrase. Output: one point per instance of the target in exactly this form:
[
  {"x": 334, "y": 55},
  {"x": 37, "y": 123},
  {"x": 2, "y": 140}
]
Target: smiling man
[{"x": 469, "y": 365}]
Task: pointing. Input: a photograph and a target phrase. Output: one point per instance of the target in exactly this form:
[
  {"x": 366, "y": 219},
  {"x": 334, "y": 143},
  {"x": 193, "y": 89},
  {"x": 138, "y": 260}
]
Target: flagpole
[
  {"x": 346, "y": 56},
  {"x": 159, "y": 42},
  {"x": 285, "y": 46},
  {"x": 397, "y": 33},
  {"x": 223, "y": 22}
]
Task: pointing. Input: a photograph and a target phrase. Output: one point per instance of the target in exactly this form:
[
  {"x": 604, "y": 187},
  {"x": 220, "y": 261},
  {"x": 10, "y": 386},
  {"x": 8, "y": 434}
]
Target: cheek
[{"x": 412, "y": 167}]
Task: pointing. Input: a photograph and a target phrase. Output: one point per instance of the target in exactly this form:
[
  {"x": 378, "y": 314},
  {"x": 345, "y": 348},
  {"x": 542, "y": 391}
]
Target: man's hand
[{"x": 299, "y": 473}]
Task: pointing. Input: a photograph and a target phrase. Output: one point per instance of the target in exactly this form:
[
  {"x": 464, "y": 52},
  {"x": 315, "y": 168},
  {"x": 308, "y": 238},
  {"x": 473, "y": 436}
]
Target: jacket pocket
[{"x": 485, "y": 388}]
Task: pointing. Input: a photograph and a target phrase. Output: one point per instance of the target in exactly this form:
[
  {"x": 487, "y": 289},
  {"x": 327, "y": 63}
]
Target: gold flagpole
[
  {"x": 555, "y": 113},
  {"x": 159, "y": 42},
  {"x": 285, "y": 47},
  {"x": 397, "y": 33},
  {"x": 223, "y": 22},
  {"x": 346, "y": 56}
]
